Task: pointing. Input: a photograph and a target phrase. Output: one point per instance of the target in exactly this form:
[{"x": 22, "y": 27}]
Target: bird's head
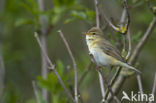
[{"x": 93, "y": 34}]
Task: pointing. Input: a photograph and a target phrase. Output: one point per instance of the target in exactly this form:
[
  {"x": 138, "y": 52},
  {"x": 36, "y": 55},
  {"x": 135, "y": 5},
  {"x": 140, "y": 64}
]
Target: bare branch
[
  {"x": 140, "y": 84},
  {"x": 122, "y": 20},
  {"x": 43, "y": 40},
  {"x": 154, "y": 86},
  {"x": 108, "y": 21},
  {"x": 125, "y": 28},
  {"x": 117, "y": 86},
  {"x": 113, "y": 80},
  {"x": 36, "y": 92},
  {"x": 2, "y": 75},
  {"x": 143, "y": 40},
  {"x": 74, "y": 64},
  {"x": 53, "y": 68},
  {"x": 42, "y": 19},
  {"x": 44, "y": 52},
  {"x": 123, "y": 16},
  {"x": 101, "y": 85},
  {"x": 128, "y": 15},
  {"x": 2, "y": 66},
  {"x": 97, "y": 14},
  {"x": 122, "y": 29},
  {"x": 89, "y": 67},
  {"x": 129, "y": 45}
]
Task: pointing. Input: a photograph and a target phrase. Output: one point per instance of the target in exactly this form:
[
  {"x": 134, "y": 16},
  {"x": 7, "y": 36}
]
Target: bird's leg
[
  {"x": 106, "y": 77},
  {"x": 98, "y": 68},
  {"x": 92, "y": 58}
]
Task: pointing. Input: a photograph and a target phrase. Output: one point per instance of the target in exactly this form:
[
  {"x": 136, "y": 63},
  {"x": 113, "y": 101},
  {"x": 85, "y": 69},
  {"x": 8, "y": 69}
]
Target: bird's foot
[{"x": 98, "y": 68}]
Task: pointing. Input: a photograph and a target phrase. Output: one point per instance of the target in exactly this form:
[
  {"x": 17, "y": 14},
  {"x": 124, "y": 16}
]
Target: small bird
[{"x": 103, "y": 52}]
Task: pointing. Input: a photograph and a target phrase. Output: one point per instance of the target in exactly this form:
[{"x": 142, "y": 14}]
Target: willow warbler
[{"x": 104, "y": 53}]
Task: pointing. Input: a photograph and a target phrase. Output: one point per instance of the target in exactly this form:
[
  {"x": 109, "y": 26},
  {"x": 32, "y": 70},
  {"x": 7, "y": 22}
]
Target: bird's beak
[{"x": 85, "y": 33}]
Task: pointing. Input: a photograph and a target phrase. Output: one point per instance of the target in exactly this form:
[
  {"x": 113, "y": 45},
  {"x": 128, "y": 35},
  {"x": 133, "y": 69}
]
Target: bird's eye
[{"x": 94, "y": 33}]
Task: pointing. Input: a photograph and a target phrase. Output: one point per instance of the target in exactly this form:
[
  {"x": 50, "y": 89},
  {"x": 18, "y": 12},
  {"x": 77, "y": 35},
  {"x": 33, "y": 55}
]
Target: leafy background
[{"x": 19, "y": 19}]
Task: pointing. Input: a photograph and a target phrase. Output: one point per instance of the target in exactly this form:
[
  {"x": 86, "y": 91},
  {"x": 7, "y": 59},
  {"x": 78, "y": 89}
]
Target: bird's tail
[{"x": 130, "y": 67}]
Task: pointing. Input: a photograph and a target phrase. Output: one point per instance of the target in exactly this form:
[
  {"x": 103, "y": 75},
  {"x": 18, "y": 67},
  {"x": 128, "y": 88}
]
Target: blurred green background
[{"x": 19, "y": 19}]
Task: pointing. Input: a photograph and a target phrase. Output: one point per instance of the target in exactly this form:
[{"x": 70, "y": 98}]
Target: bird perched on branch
[{"x": 103, "y": 52}]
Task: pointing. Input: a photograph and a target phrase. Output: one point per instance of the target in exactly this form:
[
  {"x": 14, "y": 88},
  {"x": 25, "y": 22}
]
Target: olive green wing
[{"x": 110, "y": 50}]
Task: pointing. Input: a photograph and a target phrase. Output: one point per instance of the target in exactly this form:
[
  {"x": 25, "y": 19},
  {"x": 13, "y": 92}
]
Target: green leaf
[
  {"x": 78, "y": 15},
  {"x": 90, "y": 14},
  {"x": 31, "y": 6},
  {"x": 10, "y": 95},
  {"x": 57, "y": 14},
  {"x": 22, "y": 21},
  {"x": 55, "y": 18},
  {"x": 51, "y": 83},
  {"x": 60, "y": 67}
]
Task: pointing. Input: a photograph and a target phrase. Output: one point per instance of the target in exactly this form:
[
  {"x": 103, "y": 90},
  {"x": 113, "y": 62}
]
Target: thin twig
[
  {"x": 2, "y": 75},
  {"x": 108, "y": 21},
  {"x": 123, "y": 17},
  {"x": 154, "y": 86},
  {"x": 140, "y": 84},
  {"x": 128, "y": 15},
  {"x": 89, "y": 67},
  {"x": 44, "y": 44},
  {"x": 113, "y": 80},
  {"x": 36, "y": 92},
  {"x": 129, "y": 45},
  {"x": 117, "y": 86},
  {"x": 74, "y": 64},
  {"x": 101, "y": 85},
  {"x": 2, "y": 66},
  {"x": 97, "y": 14},
  {"x": 143, "y": 40},
  {"x": 118, "y": 29},
  {"x": 52, "y": 67}
]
